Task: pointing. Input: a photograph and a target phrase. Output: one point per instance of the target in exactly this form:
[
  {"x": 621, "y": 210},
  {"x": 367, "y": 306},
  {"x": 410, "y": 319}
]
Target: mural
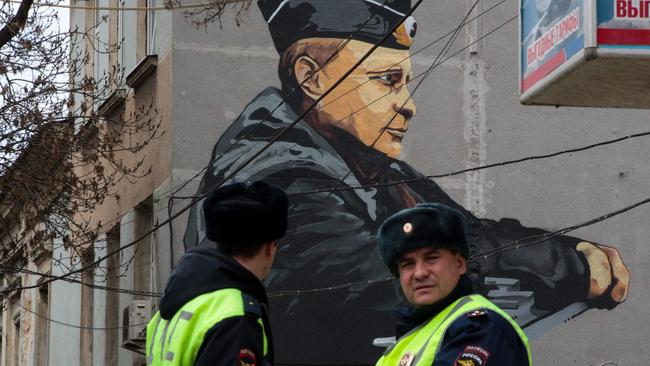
[{"x": 351, "y": 139}]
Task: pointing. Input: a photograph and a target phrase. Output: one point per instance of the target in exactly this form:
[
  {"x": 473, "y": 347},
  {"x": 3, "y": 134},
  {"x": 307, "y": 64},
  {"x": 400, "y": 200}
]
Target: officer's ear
[
  {"x": 307, "y": 73},
  {"x": 462, "y": 264},
  {"x": 270, "y": 248}
]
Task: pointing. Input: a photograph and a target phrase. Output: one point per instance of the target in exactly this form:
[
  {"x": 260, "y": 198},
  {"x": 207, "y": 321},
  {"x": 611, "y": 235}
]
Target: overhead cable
[
  {"x": 481, "y": 167},
  {"x": 75, "y": 325},
  {"x": 243, "y": 165},
  {"x": 168, "y": 6},
  {"x": 212, "y": 162},
  {"x": 515, "y": 245}
]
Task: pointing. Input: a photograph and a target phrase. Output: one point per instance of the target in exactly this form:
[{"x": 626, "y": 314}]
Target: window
[
  {"x": 142, "y": 266},
  {"x": 102, "y": 47},
  {"x": 17, "y": 337},
  {"x": 87, "y": 308},
  {"x": 42, "y": 331},
  {"x": 112, "y": 297},
  {"x": 151, "y": 28}
]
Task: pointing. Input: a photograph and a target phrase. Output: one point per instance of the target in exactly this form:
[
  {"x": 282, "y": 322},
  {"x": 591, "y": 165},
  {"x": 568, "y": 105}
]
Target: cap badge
[
  {"x": 408, "y": 227},
  {"x": 405, "y": 33},
  {"x": 407, "y": 359},
  {"x": 247, "y": 357}
]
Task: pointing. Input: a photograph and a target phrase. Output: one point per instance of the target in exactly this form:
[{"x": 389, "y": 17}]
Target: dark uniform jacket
[
  {"x": 331, "y": 241},
  {"x": 485, "y": 335},
  {"x": 204, "y": 270}
]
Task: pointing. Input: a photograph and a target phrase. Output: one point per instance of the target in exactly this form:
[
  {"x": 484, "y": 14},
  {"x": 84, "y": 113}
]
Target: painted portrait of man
[{"x": 353, "y": 138}]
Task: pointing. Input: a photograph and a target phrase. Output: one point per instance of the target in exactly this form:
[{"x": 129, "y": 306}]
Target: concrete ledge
[{"x": 141, "y": 71}]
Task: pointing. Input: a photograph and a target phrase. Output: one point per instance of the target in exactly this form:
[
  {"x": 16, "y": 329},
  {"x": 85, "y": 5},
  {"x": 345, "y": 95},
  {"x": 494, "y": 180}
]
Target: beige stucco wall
[{"x": 154, "y": 94}]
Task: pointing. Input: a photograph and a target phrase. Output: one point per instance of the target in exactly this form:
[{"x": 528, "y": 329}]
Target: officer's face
[
  {"x": 370, "y": 97},
  {"x": 429, "y": 275}
]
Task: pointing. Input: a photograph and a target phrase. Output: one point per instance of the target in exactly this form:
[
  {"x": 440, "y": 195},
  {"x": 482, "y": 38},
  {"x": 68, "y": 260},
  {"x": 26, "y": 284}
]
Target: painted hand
[{"x": 608, "y": 273}]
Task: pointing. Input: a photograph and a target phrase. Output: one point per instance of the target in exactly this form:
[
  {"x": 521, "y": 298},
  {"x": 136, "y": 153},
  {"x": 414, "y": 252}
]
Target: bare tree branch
[
  {"x": 59, "y": 158},
  {"x": 16, "y": 23}
]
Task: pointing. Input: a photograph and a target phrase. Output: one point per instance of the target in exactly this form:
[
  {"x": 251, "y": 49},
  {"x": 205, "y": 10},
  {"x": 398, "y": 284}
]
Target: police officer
[
  {"x": 448, "y": 324},
  {"x": 214, "y": 309}
]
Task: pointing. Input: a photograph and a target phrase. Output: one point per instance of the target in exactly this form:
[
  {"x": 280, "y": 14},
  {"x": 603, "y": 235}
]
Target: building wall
[
  {"x": 467, "y": 115},
  {"x": 93, "y": 334},
  {"x": 24, "y": 314}
]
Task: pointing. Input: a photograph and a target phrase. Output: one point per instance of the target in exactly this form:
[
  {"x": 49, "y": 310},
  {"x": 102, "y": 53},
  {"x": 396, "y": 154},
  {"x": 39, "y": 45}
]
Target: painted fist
[{"x": 609, "y": 276}]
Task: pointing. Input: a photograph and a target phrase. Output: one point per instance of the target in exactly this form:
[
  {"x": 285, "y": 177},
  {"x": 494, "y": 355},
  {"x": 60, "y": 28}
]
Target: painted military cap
[
  {"x": 425, "y": 225},
  {"x": 246, "y": 213},
  {"x": 363, "y": 20}
]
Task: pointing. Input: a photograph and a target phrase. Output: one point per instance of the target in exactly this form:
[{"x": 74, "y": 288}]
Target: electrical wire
[
  {"x": 514, "y": 245},
  {"x": 169, "y": 6},
  {"x": 427, "y": 73},
  {"x": 292, "y": 92},
  {"x": 481, "y": 167},
  {"x": 463, "y": 23},
  {"x": 481, "y": 256},
  {"x": 247, "y": 162},
  {"x": 14, "y": 269},
  {"x": 330, "y": 288},
  {"x": 543, "y": 237},
  {"x": 382, "y": 96},
  {"x": 517, "y": 244},
  {"x": 180, "y": 186},
  {"x": 446, "y": 48},
  {"x": 400, "y": 110},
  {"x": 75, "y": 325}
]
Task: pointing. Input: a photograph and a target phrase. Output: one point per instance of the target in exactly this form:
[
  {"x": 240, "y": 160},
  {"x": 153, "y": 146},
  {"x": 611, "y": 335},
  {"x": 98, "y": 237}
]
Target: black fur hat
[
  {"x": 246, "y": 214},
  {"x": 425, "y": 225},
  {"x": 364, "y": 20}
]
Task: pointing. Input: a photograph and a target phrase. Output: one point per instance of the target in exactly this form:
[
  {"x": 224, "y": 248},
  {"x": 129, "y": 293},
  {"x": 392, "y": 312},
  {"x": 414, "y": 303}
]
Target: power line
[
  {"x": 427, "y": 73},
  {"x": 400, "y": 110},
  {"x": 247, "y": 162},
  {"x": 498, "y": 164},
  {"x": 14, "y": 269},
  {"x": 75, "y": 325},
  {"x": 343, "y": 44},
  {"x": 616, "y": 140},
  {"x": 168, "y": 6},
  {"x": 515, "y": 245},
  {"x": 487, "y": 166},
  {"x": 180, "y": 186},
  {"x": 294, "y": 90},
  {"x": 446, "y": 48},
  {"x": 518, "y": 244},
  {"x": 212, "y": 162},
  {"x": 374, "y": 101},
  {"x": 389, "y": 93},
  {"x": 331, "y": 288},
  {"x": 171, "y": 218}
]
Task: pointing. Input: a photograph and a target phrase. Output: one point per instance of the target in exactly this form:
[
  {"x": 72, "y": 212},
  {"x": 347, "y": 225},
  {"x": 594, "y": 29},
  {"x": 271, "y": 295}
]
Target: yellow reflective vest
[
  {"x": 420, "y": 346},
  {"x": 176, "y": 341}
]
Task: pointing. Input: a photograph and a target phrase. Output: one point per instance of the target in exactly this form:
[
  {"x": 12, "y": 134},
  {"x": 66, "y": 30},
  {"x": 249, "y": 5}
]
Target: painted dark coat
[{"x": 331, "y": 236}]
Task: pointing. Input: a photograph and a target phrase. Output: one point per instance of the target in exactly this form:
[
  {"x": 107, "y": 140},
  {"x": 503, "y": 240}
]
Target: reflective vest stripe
[
  {"x": 182, "y": 335},
  {"x": 266, "y": 343},
  {"x": 420, "y": 346},
  {"x": 450, "y": 313}
]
